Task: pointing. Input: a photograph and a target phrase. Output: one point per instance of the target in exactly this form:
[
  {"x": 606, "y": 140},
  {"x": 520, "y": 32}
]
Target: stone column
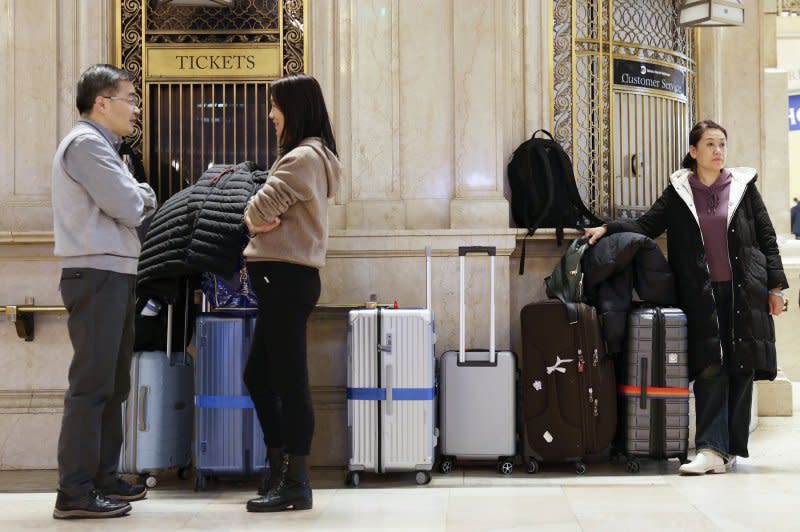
[{"x": 481, "y": 77}]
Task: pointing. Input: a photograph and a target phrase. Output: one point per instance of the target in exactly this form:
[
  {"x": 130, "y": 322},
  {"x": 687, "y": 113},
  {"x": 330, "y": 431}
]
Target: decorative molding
[
  {"x": 411, "y": 243},
  {"x": 26, "y": 237},
  {"x": 31, "y": 401}
]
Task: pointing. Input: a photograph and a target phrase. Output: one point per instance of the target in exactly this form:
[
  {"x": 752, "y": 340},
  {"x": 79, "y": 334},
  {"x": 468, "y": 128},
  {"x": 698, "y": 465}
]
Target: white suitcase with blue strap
[{"x": 391, "y": 392}]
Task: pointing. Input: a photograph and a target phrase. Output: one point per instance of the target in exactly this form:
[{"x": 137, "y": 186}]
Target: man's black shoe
[
  {"x": 92, "y": 505},
  {"x": 119, "y": 490}
]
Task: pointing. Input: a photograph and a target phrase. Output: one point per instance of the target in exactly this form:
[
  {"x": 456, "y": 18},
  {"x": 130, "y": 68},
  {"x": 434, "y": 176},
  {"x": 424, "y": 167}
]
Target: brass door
[
  {"x": 625, "y": 135},
  {"x": 650, "y": 133}
]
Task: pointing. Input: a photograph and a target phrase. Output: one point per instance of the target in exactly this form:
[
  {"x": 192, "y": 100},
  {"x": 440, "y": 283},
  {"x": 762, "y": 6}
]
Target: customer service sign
[{"x": 650, "y": 77}]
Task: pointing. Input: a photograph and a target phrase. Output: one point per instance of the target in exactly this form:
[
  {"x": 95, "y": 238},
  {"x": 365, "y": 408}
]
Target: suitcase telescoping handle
[
  {"x": 170, "y": 316},
  {"x": 169, "y": 332},
  {"x": 428, "y": 253},
  {"x": 463, "y": 251}
]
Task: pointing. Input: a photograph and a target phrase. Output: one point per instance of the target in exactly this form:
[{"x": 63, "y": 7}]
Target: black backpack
[{"x": 543, "y": 190}]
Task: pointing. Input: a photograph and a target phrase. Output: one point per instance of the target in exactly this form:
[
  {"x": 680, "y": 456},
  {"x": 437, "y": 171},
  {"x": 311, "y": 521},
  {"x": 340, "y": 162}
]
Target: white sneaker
[
  {"x": 731, "y": 463},
  {"x": 706, "y": 461}
]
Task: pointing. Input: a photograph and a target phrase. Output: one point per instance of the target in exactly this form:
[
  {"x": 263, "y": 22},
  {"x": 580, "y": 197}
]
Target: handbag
[{"x": 232, "y": 293}]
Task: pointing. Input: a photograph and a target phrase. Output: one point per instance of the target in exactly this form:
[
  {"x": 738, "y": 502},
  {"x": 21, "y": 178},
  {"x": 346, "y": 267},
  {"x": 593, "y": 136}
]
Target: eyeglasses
[{"x": 130, "y": 100}]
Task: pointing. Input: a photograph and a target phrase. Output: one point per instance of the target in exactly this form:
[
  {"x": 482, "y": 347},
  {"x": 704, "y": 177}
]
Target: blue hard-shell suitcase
[{"x": 228, "y": 439}]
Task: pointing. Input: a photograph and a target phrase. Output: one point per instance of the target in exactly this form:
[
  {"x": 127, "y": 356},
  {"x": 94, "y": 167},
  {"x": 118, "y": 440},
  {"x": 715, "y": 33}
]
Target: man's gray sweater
[{"x": 97, "y": 203}]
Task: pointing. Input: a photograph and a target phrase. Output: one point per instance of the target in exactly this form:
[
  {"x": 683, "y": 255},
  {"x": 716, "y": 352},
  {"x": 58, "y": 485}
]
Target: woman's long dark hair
[
  {"x": 694, "y": 137},
  {"x": 299, "y": 98}
]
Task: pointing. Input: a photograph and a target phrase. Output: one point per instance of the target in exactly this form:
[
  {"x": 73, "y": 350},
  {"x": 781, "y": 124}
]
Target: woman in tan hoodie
[{"x": 288, "y": 221}]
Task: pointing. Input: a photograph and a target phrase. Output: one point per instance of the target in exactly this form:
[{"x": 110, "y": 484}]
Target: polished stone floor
[{"x": 763, "y": 493}]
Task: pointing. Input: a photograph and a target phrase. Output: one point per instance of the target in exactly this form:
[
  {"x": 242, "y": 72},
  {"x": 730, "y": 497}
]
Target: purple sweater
[{"x": 712, "y": 210}]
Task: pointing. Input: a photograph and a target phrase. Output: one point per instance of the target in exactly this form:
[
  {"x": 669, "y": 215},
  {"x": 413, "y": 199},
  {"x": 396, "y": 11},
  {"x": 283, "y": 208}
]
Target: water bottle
[{"x": 152, "y": 308}]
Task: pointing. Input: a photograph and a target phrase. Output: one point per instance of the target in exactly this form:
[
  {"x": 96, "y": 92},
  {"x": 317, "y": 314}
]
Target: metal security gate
[
  {"x": 623, "y": 98},
  {"x": 650, "y": 143},
  {"x": 195, "y": 125}
]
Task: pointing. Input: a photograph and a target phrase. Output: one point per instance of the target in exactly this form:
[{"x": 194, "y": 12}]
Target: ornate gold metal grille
[
  {"x": 789, "y": 7},
  {"x": 624, "y": 141},
  {"x": 191, "y": 123},
  {"x": 258, "y": 16}
]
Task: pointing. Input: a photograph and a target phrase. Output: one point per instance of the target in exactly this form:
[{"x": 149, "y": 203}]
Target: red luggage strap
[{"x": 654, "y": 392}]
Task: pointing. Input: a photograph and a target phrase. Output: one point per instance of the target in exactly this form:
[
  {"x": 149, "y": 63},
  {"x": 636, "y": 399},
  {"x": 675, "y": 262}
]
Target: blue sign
[{"x": 794, "y": 112}]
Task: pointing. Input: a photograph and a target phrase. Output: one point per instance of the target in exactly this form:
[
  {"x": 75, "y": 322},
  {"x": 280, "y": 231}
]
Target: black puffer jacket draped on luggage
[
  {"x": 755, "y": 263},
  {"x": 612, "y": 268},
  {"x": 199, "y": 229}
]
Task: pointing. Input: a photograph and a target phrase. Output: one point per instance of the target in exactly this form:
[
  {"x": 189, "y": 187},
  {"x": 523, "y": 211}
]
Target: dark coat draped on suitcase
[
  {"x": 612, "y": 268},
  {"x": 198, "y": 229}
]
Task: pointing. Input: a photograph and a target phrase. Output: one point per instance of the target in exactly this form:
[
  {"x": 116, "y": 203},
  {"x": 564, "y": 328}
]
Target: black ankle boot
[
  {"x": 272, "y": 476},
  {"x": 292, "y": 492}
]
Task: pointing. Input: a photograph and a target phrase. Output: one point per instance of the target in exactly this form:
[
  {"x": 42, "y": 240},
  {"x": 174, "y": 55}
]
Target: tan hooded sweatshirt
[{"x": 297, "y": 191}]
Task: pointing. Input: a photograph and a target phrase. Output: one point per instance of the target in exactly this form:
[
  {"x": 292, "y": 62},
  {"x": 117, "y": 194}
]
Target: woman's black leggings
[{"x": 277, "y": 370}]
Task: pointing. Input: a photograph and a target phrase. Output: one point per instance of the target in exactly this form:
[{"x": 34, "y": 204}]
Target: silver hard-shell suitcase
[
  {"x": 391, "y": 390},
  {"x": 477, "y": 393},
  {"x": 654, "y": 389},
  {"x": 157, "y": 416}
]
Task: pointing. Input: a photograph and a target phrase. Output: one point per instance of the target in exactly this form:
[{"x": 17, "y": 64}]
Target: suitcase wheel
[
  {"x": 632, "y": 466},
  {"x": 150, "y": 481},
  {"x": 532, "y": 466},
  {"x": 199, "y": 482},
  {"x": 506, "y": 467},
  {"x": 446, "y": 466},
  {"x": 580, "y": 468},
  {"x": 184, "y": 473},
  {"x": 353, "y": 479},
  {"x": 423, "y": 477}
]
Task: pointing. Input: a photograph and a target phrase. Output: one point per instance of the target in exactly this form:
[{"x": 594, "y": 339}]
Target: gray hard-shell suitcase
[
  {"x": 477, "y": 393},
  {"x": 157, "y": 417},
  {"x": 228, "y": 440},
  {"x": 391, "y": 390},
  {"x": 654, "y": 386}
]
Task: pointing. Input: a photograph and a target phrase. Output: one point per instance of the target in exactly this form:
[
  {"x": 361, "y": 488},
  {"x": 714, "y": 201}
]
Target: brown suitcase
[{"x": 569, "y": 402}]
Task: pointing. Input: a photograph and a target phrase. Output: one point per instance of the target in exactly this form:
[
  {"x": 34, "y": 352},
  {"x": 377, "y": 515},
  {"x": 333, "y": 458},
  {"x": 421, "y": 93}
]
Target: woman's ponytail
[{"x": 689, "y": 162}]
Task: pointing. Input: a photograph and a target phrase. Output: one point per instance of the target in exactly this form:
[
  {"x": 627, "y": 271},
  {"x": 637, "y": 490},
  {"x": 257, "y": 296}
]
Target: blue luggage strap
[
  {"x": 398, "y": 394},
  {"x": 223, "y": 401}
]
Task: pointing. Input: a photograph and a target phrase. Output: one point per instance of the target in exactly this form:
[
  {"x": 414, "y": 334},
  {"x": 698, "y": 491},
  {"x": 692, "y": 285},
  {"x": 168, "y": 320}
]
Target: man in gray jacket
[{"x": 97, "y": 205}]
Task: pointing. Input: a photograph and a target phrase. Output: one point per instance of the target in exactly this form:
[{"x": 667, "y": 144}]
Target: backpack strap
[
  {"x": 572, "y": 189},
  {"x": 539, "y": 152}
]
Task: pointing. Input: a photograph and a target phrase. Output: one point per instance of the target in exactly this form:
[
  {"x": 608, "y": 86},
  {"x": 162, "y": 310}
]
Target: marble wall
[
  {"x": 45, "y": 45},
  {"x": 428, "y": 100}
]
